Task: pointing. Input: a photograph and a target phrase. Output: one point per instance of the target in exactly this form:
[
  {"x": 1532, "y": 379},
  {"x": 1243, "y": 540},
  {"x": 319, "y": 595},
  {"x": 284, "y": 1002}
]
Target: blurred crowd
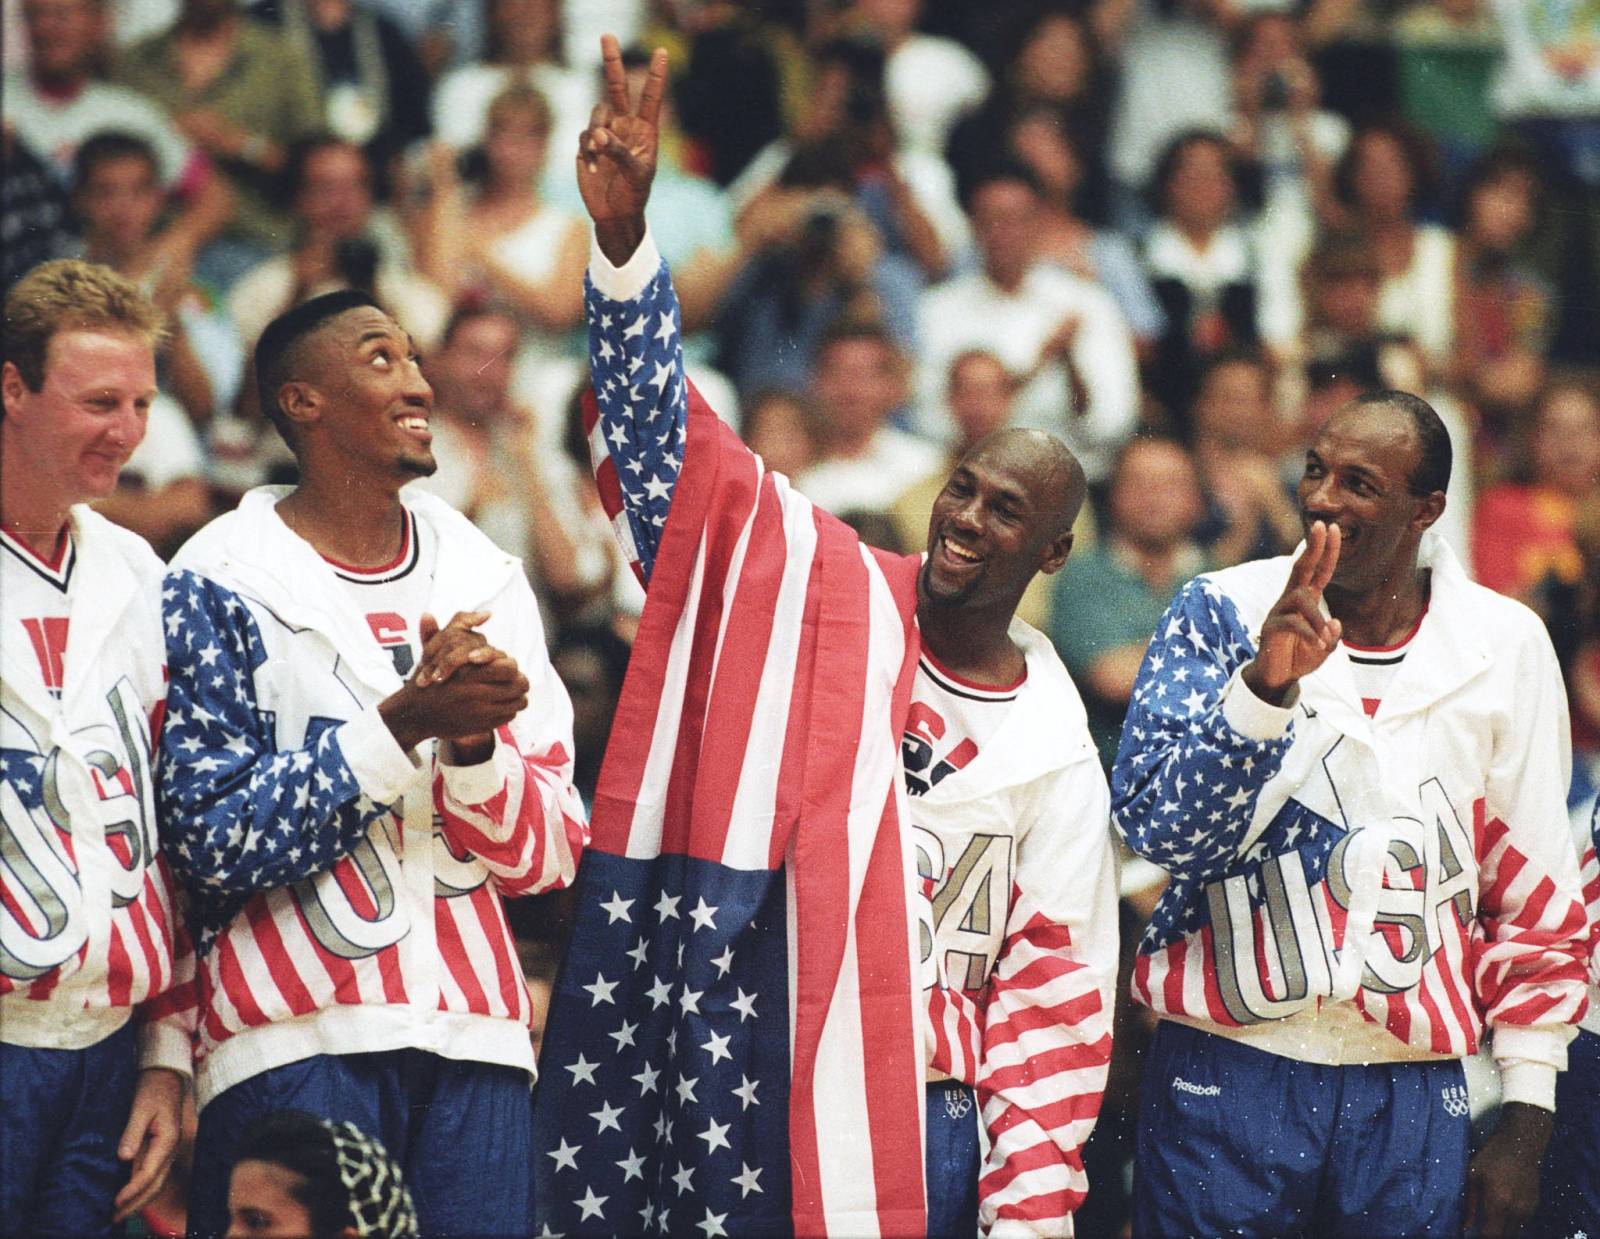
[{"x": 1178, "y": 233}]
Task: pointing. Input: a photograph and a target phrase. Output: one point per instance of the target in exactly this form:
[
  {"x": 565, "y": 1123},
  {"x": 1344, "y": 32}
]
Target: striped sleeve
[
  {"x": 169, "y": 1019},
  {"x": 1529, "y": 973},
  {"x": 1047, "y": 1022},
  {"x": 1197, "y": 745},
  {"x": 636, "y": 439},
  {"x": 518, "y": 812},
  {"x": 1591, "y": 892}
]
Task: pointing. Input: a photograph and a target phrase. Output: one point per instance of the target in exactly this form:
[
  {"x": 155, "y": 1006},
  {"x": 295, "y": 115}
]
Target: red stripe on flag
[
  {"x": 622, "y": 770},
  {"x": 740, "y": 661}
]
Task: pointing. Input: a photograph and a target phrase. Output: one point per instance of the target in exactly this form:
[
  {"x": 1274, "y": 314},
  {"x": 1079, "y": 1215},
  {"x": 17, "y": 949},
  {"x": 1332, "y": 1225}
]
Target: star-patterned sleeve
[
  {"x": 241, "y": 814},
  {"x": 636, "y": 366},
  {"x": 1197, "y": 744}
]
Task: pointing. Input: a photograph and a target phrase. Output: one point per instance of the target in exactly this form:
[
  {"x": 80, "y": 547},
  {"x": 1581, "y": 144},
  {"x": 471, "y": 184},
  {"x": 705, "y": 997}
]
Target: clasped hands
[{"x": 463, "y": 689}]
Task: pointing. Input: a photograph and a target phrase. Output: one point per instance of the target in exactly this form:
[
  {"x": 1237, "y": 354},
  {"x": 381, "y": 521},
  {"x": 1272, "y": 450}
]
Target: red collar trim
[
  {"x": 973, "y": 684},
  {"x": 1389, "y": 649}
]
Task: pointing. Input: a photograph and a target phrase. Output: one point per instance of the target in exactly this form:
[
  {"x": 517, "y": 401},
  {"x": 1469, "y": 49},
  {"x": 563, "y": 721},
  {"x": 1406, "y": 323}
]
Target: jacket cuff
[
  {"x": 1253, "y": 718},
  {"x": 473, "y": 784},
  {"x": 165, "y": 1043},
  {"x": 626, "y": 282},
  {"x": 380, "y": 766},
  {"x": 1531, "y": 1083}
]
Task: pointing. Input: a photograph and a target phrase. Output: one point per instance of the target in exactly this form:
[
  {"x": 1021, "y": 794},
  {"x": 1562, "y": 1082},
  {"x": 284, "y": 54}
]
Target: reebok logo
[{"x": 1180, "y": 1085}]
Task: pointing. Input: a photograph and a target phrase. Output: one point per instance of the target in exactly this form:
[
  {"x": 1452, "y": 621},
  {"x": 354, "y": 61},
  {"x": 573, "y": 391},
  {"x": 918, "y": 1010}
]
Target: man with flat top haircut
[
  {"x": 806, "y": 721},
  {"x": 352, "y": 789},
  {"x": 96, "y": 1000},
  {"x": 1353, "y": 763}
]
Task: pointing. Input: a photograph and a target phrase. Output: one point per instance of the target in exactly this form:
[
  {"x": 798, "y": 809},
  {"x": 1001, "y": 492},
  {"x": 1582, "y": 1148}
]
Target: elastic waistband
[{"x": 50, "y": 1025}]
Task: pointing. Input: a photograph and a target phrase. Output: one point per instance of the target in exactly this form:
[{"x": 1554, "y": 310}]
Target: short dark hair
[
  {"x": 854, "y": 327},
  {"x": 1172, "y": 154},
  {"x": 999, "y": 168},
  {"x": 1437, "y": 456},
  {"x": 470, "y": 311},
  {"x": 301, "y": 1143},
  {"x": 107, "y": 146},
  {"x": 1415, "y": 149},
  {"x": 277, "y": 355},
  {"x": 293, "y": 177}
]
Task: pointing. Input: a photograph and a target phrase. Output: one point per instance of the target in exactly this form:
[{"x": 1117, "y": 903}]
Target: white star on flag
[
  {"x": 600, "y": 990},
  {"x": 566, "y": 1155},
  {"x": 702, "y": 915}
]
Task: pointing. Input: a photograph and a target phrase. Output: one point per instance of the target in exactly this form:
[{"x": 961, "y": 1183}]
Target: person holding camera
[
  {"x": 340, "y": 242},
  {"x": 351, "y": 787}
]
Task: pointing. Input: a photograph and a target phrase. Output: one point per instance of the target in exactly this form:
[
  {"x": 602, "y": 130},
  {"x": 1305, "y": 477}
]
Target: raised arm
[{"x": 635, "y": 353}]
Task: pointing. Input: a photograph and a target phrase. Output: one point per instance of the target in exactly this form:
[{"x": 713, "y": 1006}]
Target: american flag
[{"x": 733, "y": 1044}]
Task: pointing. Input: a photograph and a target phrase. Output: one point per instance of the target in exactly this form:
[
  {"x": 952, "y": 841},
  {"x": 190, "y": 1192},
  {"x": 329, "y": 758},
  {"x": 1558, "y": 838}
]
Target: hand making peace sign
[
  {"x": 617, "y": 152},
  {"x": 1296, "y": 638}
]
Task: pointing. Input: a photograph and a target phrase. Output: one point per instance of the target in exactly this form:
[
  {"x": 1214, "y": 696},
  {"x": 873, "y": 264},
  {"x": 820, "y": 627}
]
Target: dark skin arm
[{"x": 1503, "y": 1178}]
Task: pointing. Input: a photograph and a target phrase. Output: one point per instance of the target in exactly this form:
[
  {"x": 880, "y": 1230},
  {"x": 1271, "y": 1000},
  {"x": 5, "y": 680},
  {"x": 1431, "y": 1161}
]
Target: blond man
[{"x": 94, "y": 964}]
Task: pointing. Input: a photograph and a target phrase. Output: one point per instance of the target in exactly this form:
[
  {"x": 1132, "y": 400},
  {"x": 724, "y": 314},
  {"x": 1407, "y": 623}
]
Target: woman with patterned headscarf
[{"x": 301, "y": 1177}]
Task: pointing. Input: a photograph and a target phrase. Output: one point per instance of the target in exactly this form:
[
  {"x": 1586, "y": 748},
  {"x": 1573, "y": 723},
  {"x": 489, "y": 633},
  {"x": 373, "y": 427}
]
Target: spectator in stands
[
  {"x": 1054, "y": 63},
  {"x": 692, "y": 223},
  {"x": 239, "y": 91},
  {"x": 118, "y": 200},
  {"x": 33, "y": 210},
  {"x": 1201, "y": 263},
  {"x": 1109, "y": 600},
  {"x": 1523, "y": 533},
  {"x": 339, "y": 242},
  {"x": 301, "y": 1175},
  {"x": 1377, "y": 190},
  {"x": 60, "y": 101},
  {"x": 813, "y": 258},
  {"x": 490, "y": 468},
  {"x": 930, "y": 80},
  {"x": 374, "y": 87},
  {"x": 1279, "y": 126},
  {"x": 1548, "y": 89},
  {"x": 1061, "y": 335},
  {"x": 1250, "y": 511},
  {"x": 505, "y": 243},
  {"x": 1042, "y": 139},
  {"x": 846, "y": 141},
  {"x": 780, "y": 427},
  {"x": 1505, "y": 311},
  {"x": 524, "y": 50},
  {"x": 1347, "y": 353},
  {"x": 863, "y": 462},
  {"x": 1172, "y": 57},
  {"x": 591, "y": 661}
]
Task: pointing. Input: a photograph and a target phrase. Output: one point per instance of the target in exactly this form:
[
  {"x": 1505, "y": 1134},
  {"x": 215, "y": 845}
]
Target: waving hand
[{"x": 617, "y": 153}]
